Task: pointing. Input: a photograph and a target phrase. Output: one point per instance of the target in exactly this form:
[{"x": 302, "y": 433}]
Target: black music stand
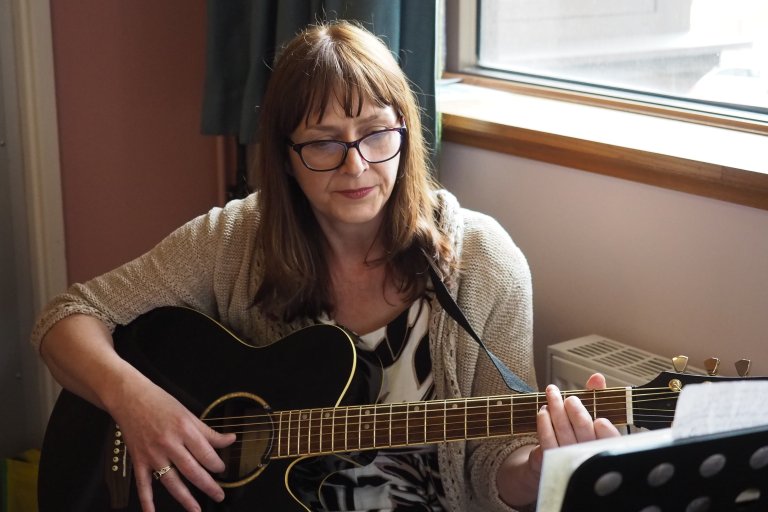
[{"x": 718, "y": 472}]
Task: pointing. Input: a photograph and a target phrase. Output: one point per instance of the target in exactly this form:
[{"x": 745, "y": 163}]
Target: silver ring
[{"x": 162, "y": 471}]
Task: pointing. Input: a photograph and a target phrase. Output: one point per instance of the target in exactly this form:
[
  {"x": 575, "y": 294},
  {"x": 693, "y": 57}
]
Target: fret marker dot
[{"x": 327, "y": 415}]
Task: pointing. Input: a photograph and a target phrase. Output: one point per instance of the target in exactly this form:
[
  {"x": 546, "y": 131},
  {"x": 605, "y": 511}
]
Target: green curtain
[{"x": 244, "y": 36}]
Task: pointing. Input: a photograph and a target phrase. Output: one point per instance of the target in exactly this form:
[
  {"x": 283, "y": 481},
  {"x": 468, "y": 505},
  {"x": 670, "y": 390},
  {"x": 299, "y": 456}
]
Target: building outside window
[{"x": 711, "y": 51}]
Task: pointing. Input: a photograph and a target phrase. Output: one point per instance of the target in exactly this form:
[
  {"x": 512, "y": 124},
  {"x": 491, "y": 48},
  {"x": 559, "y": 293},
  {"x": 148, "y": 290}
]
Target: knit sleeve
[
  {"x": 496, "y": 291},
  {"x": 177, "y": 271}
]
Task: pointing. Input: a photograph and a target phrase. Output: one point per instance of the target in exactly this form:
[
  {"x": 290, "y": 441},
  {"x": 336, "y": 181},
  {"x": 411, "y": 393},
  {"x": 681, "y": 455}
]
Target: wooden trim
[
  {"x": 626, "y": 105},
  {"x": 705, "y": 179}
]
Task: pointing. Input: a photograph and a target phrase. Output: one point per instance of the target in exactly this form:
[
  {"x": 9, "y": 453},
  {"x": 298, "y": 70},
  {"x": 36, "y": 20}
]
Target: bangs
[{"x": 348, "y": 78}]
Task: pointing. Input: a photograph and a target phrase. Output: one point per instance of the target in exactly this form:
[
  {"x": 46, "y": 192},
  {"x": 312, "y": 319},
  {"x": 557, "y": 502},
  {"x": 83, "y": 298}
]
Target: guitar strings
[
  {"x": 302, "y": 420},
  {"x": 410, "y": 408}
]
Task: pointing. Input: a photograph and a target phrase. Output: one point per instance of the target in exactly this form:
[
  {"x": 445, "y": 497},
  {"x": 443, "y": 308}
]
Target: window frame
[
  {"x": 461, "y": 61},
  {"x": 735, "y": 181}
]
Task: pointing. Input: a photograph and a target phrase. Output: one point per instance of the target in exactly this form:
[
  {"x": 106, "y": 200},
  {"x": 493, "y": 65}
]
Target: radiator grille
[{"x": 571, "y": 362}]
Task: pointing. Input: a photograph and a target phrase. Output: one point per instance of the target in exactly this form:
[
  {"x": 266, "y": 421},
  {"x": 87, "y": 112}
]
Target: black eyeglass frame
[{"x": 402, "y": 130}]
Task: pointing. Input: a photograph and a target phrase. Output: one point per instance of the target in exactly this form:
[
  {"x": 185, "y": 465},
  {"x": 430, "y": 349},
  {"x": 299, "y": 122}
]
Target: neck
[{"x": 353, "y": 249}]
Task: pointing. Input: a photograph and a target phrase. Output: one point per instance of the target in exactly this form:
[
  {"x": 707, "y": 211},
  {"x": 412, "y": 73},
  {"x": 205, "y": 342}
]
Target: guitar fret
[
  {"x": 297, "y": 431},
  {"x": 307, "y": 421},
  {"x": 434, "y": 421},
  {"x": 359, "y": 428},
  {"x": 445, "y": 421},
  {"x": 498, "y": 424},
  {"x": 375, "y": 417},
  {"x": 346, "y": 429},
  {"x": 407, "y": 421},
  {"x": 335, "y": 441},
  {"x": 466, "y": 432},
  {"x": 327, "y": 427},
  {"x": 368, "y": 427},
  {"x": 288, "y": 434},
  {"x": 594, "y": 404},
  {"x": 511, "y": 414},
  {"x": 383, "y": 415},
  {"x": 398, "y": 425},
  {"x": 353, "y": 428},
  {"x": 488, "y": 416},
  {"x": 416, "y": 431},
  {"x": 477, "y": 419},
  {"x": 316, "y": 433},
  {"x": 299, "y": 416},
  {"x": 280, "y": 435},
  {"x": 455, "y": 422},
  {"x": 524, "y": 420}
]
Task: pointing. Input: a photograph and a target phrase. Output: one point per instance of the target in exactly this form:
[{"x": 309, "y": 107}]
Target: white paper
[
  {"x": 560, "y": 463},
  {"x": 722, "y": 406}
]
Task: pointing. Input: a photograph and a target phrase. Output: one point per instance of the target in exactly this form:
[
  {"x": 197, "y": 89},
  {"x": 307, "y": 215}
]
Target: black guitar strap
[{"x": 512, "y": 381}]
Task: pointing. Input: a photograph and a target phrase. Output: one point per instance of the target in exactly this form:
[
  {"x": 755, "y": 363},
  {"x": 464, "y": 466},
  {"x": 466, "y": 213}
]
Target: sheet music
[{"x": 709, "y": 408}]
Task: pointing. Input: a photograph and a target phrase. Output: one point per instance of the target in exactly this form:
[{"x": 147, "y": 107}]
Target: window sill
[{"x": 710, "y": 161}]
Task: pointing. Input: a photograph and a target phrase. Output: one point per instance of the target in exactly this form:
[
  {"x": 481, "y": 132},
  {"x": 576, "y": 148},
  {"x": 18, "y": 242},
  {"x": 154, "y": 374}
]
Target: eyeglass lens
[{"x": 374, "y": 148}]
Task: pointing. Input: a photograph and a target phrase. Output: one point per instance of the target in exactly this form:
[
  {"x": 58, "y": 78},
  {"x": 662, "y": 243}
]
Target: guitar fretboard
[{"x": 354, "y": 428}]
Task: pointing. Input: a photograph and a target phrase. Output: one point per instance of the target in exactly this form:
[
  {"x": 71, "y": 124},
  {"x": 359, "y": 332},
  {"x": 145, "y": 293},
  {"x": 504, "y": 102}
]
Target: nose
[{"x": 354, "y": 163}]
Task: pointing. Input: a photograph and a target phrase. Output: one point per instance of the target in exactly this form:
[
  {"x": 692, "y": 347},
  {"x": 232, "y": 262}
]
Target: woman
[{"x": 339, "y": 232}]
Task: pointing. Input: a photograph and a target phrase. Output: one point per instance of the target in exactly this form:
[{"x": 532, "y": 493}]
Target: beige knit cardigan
[{"x": 210, "y": 264}]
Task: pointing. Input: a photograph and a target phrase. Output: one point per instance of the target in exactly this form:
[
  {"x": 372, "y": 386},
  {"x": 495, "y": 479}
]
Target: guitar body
[{"x": 84, "y": 467}]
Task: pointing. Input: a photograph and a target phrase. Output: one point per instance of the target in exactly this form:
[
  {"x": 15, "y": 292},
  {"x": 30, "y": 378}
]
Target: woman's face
[{"x": 353, "y": 196}]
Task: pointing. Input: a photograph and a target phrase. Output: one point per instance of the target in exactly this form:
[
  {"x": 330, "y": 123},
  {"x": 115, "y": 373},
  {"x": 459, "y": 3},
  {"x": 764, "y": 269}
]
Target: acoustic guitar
[{"x": 302, "y": 408}]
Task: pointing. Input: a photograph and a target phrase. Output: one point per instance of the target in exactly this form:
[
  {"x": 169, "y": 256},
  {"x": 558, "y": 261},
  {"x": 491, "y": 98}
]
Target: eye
[{"x": 322, "y": 146}]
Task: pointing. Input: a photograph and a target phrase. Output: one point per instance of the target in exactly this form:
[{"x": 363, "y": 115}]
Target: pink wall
[{"x": 129, "y": 79}]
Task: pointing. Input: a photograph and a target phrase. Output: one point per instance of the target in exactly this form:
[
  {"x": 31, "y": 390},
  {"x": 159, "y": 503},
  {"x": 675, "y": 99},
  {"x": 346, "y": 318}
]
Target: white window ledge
[{"x": 712, "y": 161}]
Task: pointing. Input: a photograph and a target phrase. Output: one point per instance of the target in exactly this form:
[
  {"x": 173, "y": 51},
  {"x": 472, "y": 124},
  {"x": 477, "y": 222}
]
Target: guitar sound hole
[{"x": 247, "y": 416}]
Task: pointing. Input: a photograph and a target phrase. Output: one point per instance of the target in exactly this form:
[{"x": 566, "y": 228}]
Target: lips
[{"x": 356, "y": 193}]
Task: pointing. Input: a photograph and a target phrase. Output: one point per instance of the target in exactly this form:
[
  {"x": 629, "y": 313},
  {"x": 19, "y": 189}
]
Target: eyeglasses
[{"x": 329, "y": 155}]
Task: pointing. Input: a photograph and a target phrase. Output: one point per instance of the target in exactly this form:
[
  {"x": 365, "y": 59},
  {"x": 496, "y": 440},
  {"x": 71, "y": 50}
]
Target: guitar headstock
[{"x": 654, "y": 403}]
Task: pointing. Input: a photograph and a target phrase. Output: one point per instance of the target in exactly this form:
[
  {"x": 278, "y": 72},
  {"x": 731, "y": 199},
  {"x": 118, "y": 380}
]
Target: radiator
[{"x": 570, "y": 363}]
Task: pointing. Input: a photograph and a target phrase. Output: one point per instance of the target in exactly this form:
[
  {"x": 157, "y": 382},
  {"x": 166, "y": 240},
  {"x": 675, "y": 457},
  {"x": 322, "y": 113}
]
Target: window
[
  {"x": 701, "y": 55},
  {"x": 667, "y": 115}
]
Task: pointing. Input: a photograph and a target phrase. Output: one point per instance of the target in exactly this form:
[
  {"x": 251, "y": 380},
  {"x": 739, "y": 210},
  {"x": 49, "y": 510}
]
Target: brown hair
[{"x": 342, "y": 62}]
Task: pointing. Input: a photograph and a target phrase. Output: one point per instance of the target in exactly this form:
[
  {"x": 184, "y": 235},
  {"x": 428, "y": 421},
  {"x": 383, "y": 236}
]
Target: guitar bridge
[{"x": 118, "y": 469}]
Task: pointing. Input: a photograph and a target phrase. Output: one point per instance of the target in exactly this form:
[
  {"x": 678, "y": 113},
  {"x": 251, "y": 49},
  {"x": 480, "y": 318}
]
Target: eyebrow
[{"x": 362, "y": 120}]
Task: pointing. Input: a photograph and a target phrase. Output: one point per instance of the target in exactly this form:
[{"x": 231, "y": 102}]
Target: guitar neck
[{"x": 367, "y": 427}]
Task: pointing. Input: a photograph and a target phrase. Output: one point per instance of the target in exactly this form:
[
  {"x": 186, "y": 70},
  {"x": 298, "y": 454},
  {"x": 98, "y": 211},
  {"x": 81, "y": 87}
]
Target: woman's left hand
[
  {"x": 563, "y": 422},
  {"x": 558, "y": 423}
]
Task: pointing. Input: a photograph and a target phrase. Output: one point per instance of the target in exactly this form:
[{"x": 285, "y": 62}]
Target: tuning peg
[
  {"x": 711, "y": 365},
  {"x": 742, "y": 367},
  {"x": 680, "y": 363}
]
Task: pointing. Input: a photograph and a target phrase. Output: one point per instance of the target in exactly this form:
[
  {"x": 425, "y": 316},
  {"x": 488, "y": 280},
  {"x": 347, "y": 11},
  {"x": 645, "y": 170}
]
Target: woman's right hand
[{"x": 159, "y": 432}]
